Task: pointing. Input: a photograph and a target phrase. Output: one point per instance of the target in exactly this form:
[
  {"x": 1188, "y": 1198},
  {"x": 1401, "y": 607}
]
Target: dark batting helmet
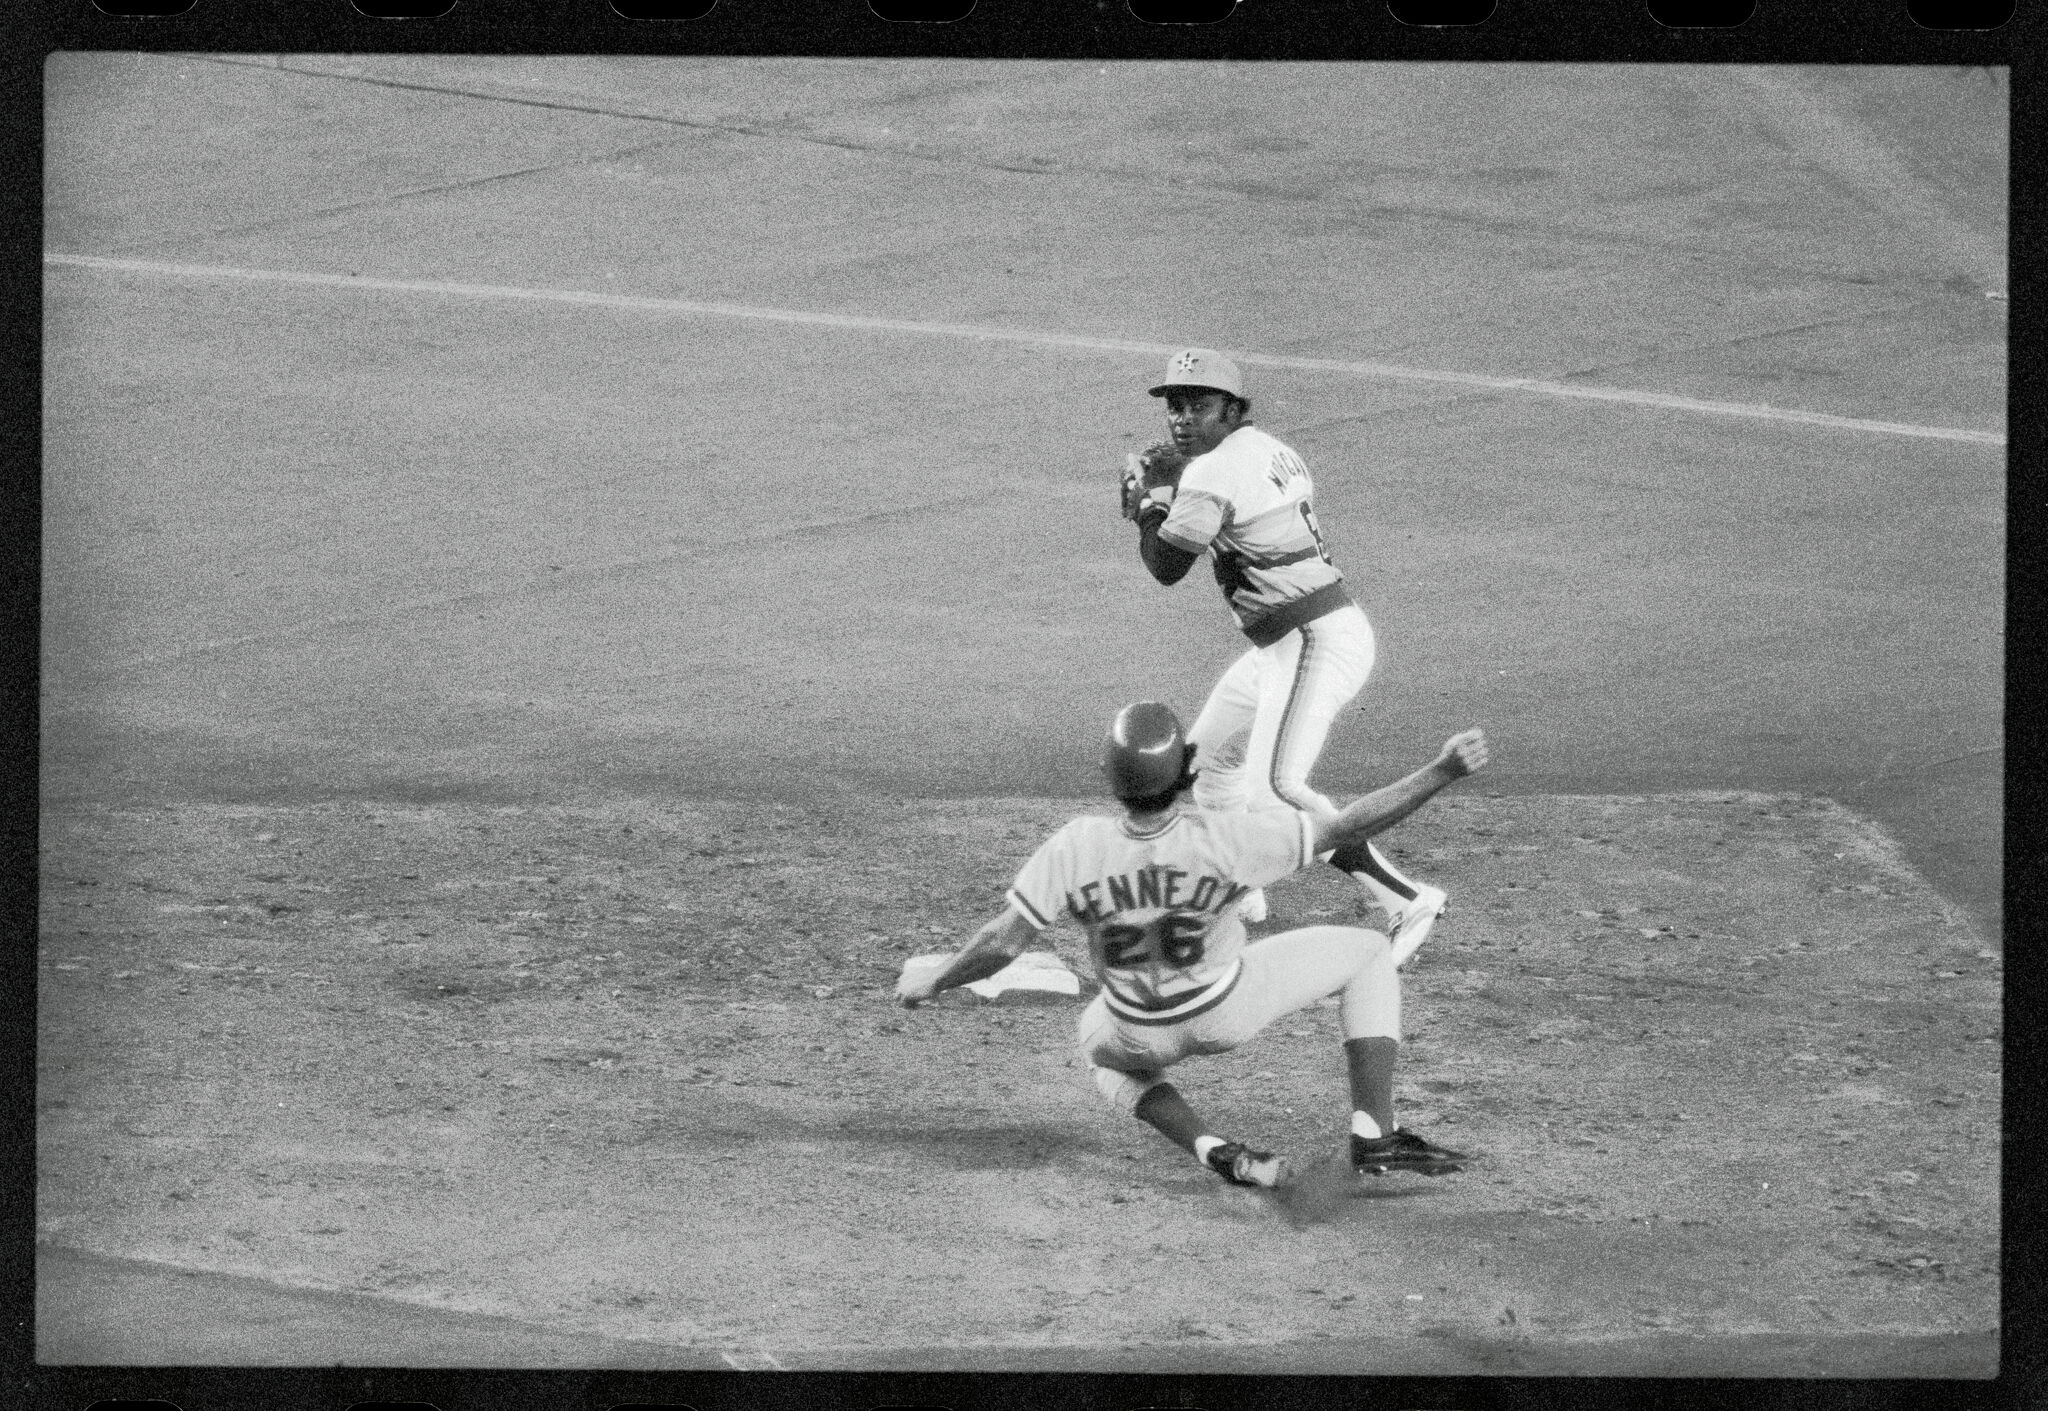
[{"x": 1147, "y": 753}]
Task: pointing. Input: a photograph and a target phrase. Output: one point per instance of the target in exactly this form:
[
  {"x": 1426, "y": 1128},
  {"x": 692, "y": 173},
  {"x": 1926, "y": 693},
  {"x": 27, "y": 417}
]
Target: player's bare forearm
[
  {"x": 1383, "y": 808},
  {"x": 980, "y": 958},
  {"x": 995, "y": 945}
]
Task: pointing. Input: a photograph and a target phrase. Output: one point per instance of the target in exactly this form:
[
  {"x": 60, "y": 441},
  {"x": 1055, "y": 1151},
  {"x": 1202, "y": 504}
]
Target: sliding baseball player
[{"x": 1158, "y": 891}]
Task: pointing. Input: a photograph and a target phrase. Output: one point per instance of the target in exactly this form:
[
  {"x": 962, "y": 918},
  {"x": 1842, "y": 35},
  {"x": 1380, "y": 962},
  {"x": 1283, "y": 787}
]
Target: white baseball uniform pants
[
  {"x": 1282, "y": 973},
  {"x": 1265, "y": 722}
]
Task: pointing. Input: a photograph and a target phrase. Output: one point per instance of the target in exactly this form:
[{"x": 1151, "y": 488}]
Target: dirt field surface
[
  {"x": 561, "y": 572},
  {"x": 537, "y": 1063}
]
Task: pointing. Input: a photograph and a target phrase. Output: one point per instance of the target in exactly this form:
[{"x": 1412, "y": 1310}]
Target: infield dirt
[{"x": 634, "y": 1072}]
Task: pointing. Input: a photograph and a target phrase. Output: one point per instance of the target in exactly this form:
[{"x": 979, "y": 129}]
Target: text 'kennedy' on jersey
[{"x": 1151, "y": 887}]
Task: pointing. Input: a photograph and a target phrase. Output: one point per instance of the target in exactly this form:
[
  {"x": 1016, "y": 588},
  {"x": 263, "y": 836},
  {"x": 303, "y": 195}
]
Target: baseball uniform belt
[
  {"x": 1179, "y": 1007},
  {"x": 1272, "y": 626}
]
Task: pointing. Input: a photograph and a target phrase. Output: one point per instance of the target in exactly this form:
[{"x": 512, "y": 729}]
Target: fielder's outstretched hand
[{"x": 1464, "y": 752}]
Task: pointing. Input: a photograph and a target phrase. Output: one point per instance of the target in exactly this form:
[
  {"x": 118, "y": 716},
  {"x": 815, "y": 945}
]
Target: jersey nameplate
[{"x": 1151, "y": 887}]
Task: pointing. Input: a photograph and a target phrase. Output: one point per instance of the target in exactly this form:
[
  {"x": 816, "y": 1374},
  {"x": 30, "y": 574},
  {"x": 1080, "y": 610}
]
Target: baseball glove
[{"x": 1157, "y": 467}]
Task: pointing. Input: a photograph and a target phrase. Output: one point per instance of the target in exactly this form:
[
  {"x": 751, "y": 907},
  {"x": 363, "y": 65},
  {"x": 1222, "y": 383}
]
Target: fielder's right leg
[
  {"x": 1298, "y": 686},
  {"x": 1221, "y": 736}
]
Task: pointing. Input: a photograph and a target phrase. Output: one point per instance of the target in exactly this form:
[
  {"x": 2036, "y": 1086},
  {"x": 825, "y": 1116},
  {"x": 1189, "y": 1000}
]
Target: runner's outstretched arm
[
  {"x": 995, "y": 945},
  {"x": 1381, "y": 809}
]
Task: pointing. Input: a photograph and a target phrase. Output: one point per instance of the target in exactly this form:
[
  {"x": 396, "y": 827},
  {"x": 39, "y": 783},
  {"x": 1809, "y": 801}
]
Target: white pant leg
[
  {"x": 1220, "y": 735},
  {"x": 1305, "y": 679},
  {"x": 1126, "y": 1060},
  {"x": 1292, "y": 970},
  {"x": 1282, "y": 974},
  {"x": 1331, "y": 666}
]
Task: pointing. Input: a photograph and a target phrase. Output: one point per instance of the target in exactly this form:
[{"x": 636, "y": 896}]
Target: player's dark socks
[
  {"x": 1371, "y": 1064},
  {"x": 1360, "y": 860},
  {"x": 1163, "y": 1108}
]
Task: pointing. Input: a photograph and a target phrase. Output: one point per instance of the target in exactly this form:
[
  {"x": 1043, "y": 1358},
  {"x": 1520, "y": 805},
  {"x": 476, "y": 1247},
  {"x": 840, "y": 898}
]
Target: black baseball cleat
[
  {"x": 1241, "y": 1166},
  {"x": 1402, "y": 1151}
]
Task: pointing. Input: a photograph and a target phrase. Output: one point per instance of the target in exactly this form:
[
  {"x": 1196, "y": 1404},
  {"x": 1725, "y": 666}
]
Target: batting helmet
[{"x": 1147, "y": 753}]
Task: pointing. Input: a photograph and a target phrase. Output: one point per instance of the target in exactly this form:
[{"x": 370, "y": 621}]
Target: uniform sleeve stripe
[
  {"x": 1289, "y": 510},
  {"x": 1028, "y": 911},
  {"x": 1186, "y": 546},
  {"x": 1252, "y": 560}
]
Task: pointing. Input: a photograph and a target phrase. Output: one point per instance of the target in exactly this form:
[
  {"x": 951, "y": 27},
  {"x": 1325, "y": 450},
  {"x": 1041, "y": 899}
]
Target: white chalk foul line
[{"x": 1391, "y": 372}]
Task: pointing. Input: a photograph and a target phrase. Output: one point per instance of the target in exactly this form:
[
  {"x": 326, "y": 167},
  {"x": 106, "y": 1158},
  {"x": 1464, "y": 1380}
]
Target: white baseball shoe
[
  {"x": 1241, "y": 1166},
  {"x": 1409, "y": 927},
  {"x": 1252, "y": 910}
]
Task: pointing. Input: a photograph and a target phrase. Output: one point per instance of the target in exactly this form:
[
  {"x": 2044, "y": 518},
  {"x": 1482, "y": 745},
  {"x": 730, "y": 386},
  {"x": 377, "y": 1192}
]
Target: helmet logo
[{"x": 1186, "y": 364}]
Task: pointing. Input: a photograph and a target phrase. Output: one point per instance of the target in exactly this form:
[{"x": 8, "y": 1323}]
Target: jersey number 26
[{"x": 1175, "y": 938}]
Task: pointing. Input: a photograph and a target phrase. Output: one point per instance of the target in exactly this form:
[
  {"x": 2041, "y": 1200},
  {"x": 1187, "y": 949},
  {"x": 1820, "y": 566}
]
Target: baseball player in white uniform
[
  {"x": 1246, "y": 498},
  {"x": 1158, "y": 892}
]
